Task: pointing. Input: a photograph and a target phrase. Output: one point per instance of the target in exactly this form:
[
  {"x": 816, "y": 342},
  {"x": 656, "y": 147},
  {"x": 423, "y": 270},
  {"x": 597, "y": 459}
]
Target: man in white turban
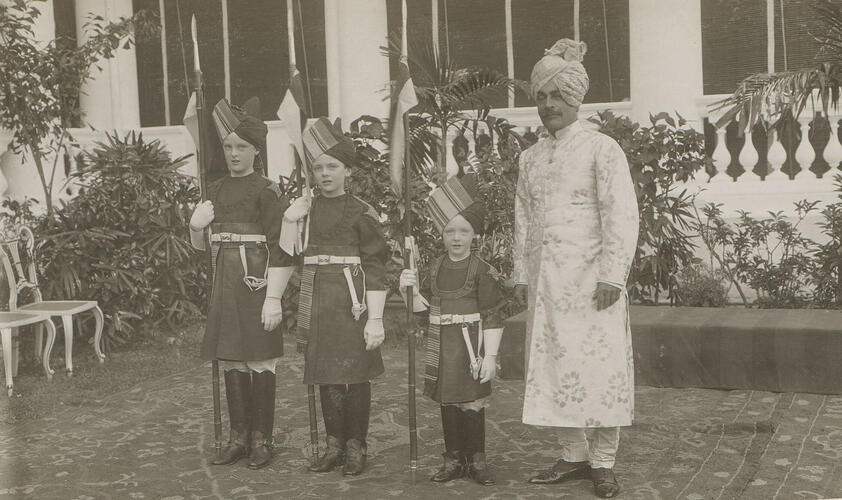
[{"x": 576, "y": 224}]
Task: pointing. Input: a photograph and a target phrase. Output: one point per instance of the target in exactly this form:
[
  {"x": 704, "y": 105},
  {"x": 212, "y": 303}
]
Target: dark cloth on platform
[
  {"x": 246, "y": 205},
  {"x": 465, "y": 287},
  {"x": 335, "y": 345}
]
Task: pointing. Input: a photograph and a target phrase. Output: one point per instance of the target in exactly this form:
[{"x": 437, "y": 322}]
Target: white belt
[
  {"x": 454, "y": 319},
  {"x": 357, "y": 307},
  {"x": 254, "y": 284},
  {"x": 238, "y": 238},
  {"x": 323, "y": 260},
  {"x": 463, "y": 320}
]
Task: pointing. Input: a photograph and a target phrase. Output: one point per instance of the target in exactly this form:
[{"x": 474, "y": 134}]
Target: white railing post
[
  {"x": 777, "y": 158},
  {"x": 721, "y": 157},
  {"x": 748, "y": 159},
  {"x": 804, "y": 154},
  {"x": 833, "y": 151}
]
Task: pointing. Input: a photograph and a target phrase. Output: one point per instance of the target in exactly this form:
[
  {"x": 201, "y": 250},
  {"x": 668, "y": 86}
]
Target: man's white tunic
[{"x": 576, "y": 224}]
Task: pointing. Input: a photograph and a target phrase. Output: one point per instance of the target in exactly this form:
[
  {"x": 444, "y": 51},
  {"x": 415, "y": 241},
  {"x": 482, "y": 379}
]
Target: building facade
[{"x": 644, "y": 57}]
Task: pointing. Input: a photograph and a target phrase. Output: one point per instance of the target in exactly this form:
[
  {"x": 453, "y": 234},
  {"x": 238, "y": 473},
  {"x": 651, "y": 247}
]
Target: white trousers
[
  {"x": 250, "y": 366},
  {"x": 597, "y": 445}
]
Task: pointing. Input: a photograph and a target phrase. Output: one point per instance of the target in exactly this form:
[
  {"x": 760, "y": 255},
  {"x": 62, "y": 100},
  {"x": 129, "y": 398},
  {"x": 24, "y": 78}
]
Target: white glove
[
  {"x": 409, "y": 277},
  {"x": 272, "y": 313},
  {"x": 298, "y": 209},
  {"x": 276, "y": 282},
  {"x": 374, "y": 334},
  {"x": 488, "y": 370},
  {"x": 202, "y": 215}
]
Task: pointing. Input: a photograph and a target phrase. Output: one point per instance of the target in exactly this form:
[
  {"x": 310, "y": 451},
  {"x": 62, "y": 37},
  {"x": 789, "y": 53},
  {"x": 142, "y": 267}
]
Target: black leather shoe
[
  {"x": 453, "y": 468},
  {"x": 231, "y": 453},
  {"x": 478, "y": 470},
  {"x": 261, "y": 451},
  {"x": 355, "y": 451},
  {"x": 604, "y": 483},
  {"x": 562, "y": 471},
  {"x": 334, "y": 455}
]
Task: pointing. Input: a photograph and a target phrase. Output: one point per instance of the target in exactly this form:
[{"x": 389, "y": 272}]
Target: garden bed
[{"x": 782, "y": 350}]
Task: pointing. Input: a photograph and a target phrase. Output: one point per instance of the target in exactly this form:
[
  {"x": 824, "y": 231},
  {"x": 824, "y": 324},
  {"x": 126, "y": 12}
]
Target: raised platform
[{"x": 782, "y": 350}]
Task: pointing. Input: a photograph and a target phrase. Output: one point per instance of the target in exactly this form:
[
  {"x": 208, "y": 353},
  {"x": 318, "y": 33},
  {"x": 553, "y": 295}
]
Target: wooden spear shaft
[{"x": 410, "y": 338}]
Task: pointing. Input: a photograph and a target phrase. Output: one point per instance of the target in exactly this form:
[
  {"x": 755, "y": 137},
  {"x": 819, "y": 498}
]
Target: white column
[
  {"x": 109, "y": 99},
  {"x": 665, "y": 76},
  {"x": 357, "y": 71}
]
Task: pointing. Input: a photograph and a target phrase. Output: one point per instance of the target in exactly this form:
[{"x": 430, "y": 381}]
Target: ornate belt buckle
[
  {"x": 225, "y": 236},
  {"x": 324, "y": 259}
]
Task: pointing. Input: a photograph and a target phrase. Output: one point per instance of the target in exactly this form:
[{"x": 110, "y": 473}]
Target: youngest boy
[{"x": 464, "y": 324}]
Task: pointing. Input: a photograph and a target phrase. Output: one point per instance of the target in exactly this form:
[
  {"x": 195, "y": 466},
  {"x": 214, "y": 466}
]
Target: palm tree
[
  {"x": 773, "y": 96},
  {"x": 448, "y": 97}
]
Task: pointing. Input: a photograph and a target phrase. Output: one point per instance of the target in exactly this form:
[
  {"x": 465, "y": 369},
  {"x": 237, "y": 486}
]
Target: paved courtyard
[{"x": 154, "y": 441}]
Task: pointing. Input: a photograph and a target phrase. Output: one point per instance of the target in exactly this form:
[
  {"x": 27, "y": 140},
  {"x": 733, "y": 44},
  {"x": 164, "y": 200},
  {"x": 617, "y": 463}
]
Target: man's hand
[
  {"x": 606, "y": 295},
  {"x": 488, "y": 370},
  {"x": 300, "y": 348},
  {"x": 522, "y": 295},
  {"x": 272, "y": 313},
  {"x": 202, "y": 215},
  {"x": 374, "y": 334}
]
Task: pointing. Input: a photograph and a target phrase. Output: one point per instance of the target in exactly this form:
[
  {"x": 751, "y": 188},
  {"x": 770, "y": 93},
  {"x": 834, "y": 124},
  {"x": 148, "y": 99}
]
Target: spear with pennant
[
  {"x": 195, "y": 122},
  {"x": 294, "y": 237},
  {"x": 403, "y": 100}
]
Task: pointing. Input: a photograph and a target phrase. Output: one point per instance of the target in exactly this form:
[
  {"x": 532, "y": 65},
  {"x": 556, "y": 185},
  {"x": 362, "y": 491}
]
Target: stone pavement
[{"x": 154, "y": 441}]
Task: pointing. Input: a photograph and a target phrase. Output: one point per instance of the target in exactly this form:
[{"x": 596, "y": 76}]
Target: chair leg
[
  {"x": 67, "y": 322},
  {"x": 39, "y": 341},
  {"x": 6, "y": 336},
  {"x": 98, "y": 334},
  {"x": 15, "y": 351},
  {"x": 51, "y": 339}
]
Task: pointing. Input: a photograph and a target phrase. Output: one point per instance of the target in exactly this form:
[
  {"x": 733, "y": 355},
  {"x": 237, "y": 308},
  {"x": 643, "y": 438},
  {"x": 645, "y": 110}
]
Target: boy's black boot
[{"x": 238, "y": 394}]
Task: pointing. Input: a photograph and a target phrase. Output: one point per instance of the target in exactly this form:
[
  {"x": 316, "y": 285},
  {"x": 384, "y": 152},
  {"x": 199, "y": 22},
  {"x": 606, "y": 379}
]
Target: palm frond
[
  {"x": 772, "y": 96},
  {"x": 830, "y": 39}
]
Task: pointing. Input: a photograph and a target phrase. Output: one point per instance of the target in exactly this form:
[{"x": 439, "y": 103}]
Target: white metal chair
[{"x": 26, "y": 278}]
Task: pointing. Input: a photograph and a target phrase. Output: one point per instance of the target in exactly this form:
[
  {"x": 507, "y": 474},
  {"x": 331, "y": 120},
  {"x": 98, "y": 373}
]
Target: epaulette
[
  {"x": 369, "y": 210},
  {"x": 274, "y": 187}
]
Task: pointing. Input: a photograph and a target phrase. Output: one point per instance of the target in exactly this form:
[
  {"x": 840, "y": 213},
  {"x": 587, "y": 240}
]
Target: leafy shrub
[
  {"x": 660, "y": 155},
  {"x": 122, "y": 241},
  {"x": 769, "y": 254},
  {"x": 700, "y": 286}
]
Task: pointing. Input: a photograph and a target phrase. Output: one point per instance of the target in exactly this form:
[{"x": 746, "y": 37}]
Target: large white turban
[{"x": 562, "y": 65}]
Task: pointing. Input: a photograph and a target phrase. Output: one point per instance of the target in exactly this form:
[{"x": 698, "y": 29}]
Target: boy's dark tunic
[
  {"x": 249, "y": 205},
  {"x": 464, "y": 287},
  {"x": 335, "y": 354}
]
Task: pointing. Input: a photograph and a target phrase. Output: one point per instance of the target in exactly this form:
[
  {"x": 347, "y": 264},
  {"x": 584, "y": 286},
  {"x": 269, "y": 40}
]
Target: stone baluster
[
  {"x": 748, "y": 159},
  {"x": 721, "y": 157},
  {"x": 804, "y": 153},
  {"x": 833, "y": 151},
  {"x": 776, "y": 157}
]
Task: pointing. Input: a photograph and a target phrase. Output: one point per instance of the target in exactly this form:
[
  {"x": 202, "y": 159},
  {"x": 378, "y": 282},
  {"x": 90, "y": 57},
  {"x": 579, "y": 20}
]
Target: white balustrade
[
  {"x": 805, "y": 154},
  {"x": 721, "y": 158},
  {"x": 748, "y": 159},
  {"x": 776, "y": 158},
  {"x": 833, "y": 151}
]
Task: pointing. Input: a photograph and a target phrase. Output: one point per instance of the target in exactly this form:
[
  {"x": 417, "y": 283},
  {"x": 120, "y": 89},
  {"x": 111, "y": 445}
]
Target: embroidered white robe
[{"x": 576, "y": 224}]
